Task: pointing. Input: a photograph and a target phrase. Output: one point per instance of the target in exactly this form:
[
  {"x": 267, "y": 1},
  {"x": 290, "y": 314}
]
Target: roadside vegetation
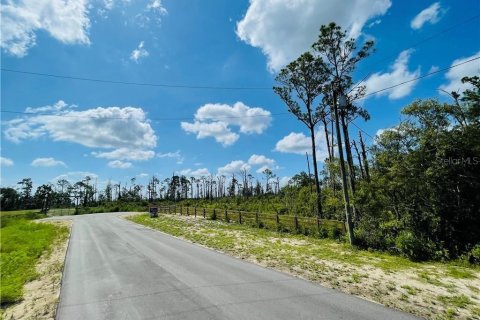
[
  {"x": 433, "y": 290},
  {"x": 412, "y": 190},
  {"x": 23, "y": 243}
]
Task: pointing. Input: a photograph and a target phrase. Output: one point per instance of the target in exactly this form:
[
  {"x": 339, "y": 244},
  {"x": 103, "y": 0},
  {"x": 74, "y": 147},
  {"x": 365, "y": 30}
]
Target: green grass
[
  {"x": 22, "y": 244},
  {"x": 28, "y": 214},
  {"x": 460, "y": 301}
]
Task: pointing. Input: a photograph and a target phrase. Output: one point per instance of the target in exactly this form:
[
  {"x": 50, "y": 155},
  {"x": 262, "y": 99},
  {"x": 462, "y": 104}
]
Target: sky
[{"x": 217, "y": 113}]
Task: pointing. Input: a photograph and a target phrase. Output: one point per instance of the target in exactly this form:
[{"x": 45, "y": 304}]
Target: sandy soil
[{"x": 41, "y": 295}]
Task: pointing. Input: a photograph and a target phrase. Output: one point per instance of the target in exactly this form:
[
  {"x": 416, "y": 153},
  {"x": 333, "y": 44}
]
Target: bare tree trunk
[
  {"x": 359, "y": 159},
  {"x": 346, "y": 196},
  {"x": 315, "y": 171},
  {"x": 364, "y": 156},
  {"x": 351, "y": 168}
]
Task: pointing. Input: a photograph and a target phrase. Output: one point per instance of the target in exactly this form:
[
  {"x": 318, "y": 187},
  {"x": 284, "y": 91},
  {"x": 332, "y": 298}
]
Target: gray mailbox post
[{"x": 153, "y": 212}]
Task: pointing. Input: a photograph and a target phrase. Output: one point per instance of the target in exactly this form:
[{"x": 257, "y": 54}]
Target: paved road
[{"x": 116, "y": 269}]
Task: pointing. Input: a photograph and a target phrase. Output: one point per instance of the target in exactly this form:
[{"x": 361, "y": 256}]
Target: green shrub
[
  {"x": 322, "y": 233},
  {"x": 335, "y": 233},
  {"x": 414, "y": 248},
  {"x": 474, "y": 255}
]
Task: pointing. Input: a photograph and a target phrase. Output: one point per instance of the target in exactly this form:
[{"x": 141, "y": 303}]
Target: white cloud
[
  {"x": 6, "y": 162},
  {"x": 195, "y": 173},
  {"x": 430, "y": 14},
  {"x": 399, "y": 73},
  {"x": 75, "y": 176},
  {"x": 96, "y": 128},
  {"x": 66, "y": 21},
  {"x": 175, "y": 155},
  {"x": 142, "y": 175},
  {"x": 126, "y": 154},
  {"x": 117, "y": 164},
  {"x": 283, "y": 29},
  {"x": 233, "y": 167},
  {"x": 156, "y": 5},
  {"x": 262, "y": 161},
  {"x": 57, "y": 107},
  {"x": 47, "y": 162},
  {"x": 139, "y": 53},
  {"x": 299, "y": 143},
  {"x": 258, "y": 160},
  {"x": 216, "y": 120},
  {"x": 455, "y": 75}
]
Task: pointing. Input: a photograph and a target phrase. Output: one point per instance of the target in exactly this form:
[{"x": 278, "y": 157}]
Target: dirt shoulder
[
  {"x": 41, "y": 295},
  {"x": 430, "y": 290}
]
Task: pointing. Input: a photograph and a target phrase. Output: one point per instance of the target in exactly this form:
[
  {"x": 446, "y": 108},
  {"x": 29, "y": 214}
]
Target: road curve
[{"x": 116, "y": 269}]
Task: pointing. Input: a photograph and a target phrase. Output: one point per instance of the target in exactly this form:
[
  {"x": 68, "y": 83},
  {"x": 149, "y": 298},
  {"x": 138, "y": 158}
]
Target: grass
[
  {"x": 22, "y": 244},
  {"x": 426, "y": 289}
]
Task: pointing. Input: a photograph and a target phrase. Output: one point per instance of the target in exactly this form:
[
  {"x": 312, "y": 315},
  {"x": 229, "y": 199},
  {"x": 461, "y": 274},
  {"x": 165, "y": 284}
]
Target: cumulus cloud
[
  {"x": 262, "y": 161},
  {"x": 174, "y": 155},
  {"x": 431, "y": 15},
  {"x": 284, "y": 29},
  {"x": 299, "y": 143},
  {"x": 47, "y": 162},
  {"x": 67, "y": 21},
  {"x": 139, "y": 53},
  {"x": 97, "y": 128},
  {"x": 6, "y": 162},
  {"x": 118, "y": 164},
  {"x": 399, "y": 73},
  {"x": 126, "y": 154},
  {"x": 455, "y": 75},
  {"x": 195, "y": 173},
  {"x": 217, "y": 120},
  {"x": 236, "y": 166}
]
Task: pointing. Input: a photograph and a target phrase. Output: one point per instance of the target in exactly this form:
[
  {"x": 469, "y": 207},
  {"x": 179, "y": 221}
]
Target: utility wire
[
  {"x": 255, "y": 116},
  {"x": 146, "y": 84},
  {"x": 416, "y": 44},
  {"x": 127, "y": 118},
  {"x": 417, "y": 78}
]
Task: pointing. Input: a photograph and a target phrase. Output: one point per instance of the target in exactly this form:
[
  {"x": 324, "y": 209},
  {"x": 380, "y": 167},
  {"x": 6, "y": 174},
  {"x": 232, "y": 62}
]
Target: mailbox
[{"x": 153, "y": 212}]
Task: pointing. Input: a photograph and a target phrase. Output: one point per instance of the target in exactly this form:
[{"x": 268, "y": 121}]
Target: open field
[
  {"x": 23, "y": 244},
  {"x": 431, "y": 290}
]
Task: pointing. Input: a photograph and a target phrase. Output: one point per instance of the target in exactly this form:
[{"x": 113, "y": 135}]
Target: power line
[
  {"x": 127, "y": 118},
  {"x": 146, "y": 84},
  {"x": 417, "y": 78},
  {"x": 416, "y": 44},
  {"x": 233, "y": 117},
  {"x": 362, "y": 130}
]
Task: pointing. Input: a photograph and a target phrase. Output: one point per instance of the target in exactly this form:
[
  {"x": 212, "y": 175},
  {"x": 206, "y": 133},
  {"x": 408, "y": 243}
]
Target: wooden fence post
[
  {"x": 295, "y": 222},
  {"x": 318, "y": 224},
  {"x": 214, "y": 213},
  {"x": 188, "y": 211},
  {"x": 226, "y": 215},
  {"x": 256, "y": 218},
  {"x": 240, "y": 217},
  {"x": 204, "y": 213},
  {"x": 195, "y": 212},
  {"x": 277, "y": 219}
]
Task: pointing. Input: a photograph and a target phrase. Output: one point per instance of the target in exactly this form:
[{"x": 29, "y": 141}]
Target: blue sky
[{"x": 114, "y": 131}]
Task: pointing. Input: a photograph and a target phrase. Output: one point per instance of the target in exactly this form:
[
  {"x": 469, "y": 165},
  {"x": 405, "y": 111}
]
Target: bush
[
  {"x": 414, "y": 248},
  {"x": 335, "y": 233},
  {"x": 322, "y": 233},
  {"x": 474, "y": 255}
]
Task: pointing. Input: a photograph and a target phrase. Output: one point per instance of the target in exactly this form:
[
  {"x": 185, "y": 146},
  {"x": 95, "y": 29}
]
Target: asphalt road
[{"x": 116, "y": 269}]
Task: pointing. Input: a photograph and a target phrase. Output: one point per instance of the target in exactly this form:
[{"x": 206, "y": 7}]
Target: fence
[{"x": 280, "y": 222}]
